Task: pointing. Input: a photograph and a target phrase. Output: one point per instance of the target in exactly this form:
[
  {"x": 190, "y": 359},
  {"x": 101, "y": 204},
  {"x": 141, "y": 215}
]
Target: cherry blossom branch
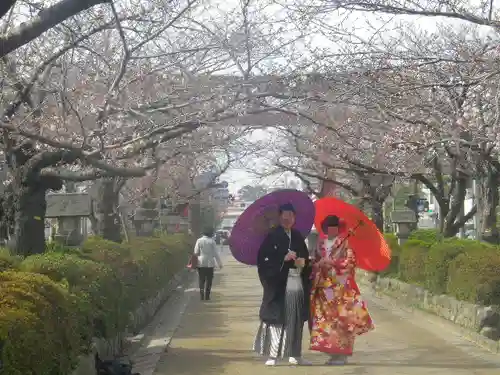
[
  {"x": 44, "y": 21},
  {"x": 395, "y": 7},
  {"x": 318, "y": 176},
  {"x": 26, "y": 89}
]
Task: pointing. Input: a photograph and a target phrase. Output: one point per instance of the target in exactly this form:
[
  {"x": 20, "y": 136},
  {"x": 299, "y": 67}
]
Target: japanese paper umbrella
[
  {"x": 262, "y": 216},
  {"x": 369, "y": 246}
]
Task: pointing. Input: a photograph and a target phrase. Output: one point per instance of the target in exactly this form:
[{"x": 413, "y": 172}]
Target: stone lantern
[{"x": 404, "y": 221}]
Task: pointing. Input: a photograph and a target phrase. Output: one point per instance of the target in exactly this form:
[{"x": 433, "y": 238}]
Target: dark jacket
[{"x": 273, "y": 273}]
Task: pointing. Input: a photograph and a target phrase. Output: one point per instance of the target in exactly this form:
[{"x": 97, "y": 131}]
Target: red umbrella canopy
[{"x": 367, "y": 242}]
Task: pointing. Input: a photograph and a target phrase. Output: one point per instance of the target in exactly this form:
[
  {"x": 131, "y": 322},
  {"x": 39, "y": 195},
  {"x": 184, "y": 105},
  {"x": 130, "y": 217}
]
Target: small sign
[
  {"x": 403, "y": 216},
  {"x": 68, "y": 205}
]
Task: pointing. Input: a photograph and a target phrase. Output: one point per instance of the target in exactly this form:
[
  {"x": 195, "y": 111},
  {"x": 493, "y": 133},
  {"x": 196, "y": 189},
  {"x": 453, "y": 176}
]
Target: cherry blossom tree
[
  {"x": 441, "y": 110},
  {"x": 326, "y": 153},
  {"x": 432, "y": 94},
  {"x": 72, "y": 120},
  {"x": 110, "y": 93}
]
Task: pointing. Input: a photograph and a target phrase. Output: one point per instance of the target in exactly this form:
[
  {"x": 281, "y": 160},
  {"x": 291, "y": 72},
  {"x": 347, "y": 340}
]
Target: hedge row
[
  {"x": 466, "y": 269},
  {"x": 51, "y": 305}
]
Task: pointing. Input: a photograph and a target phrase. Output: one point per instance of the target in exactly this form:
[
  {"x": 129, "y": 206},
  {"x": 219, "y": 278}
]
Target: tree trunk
[
  {"x": 108, "y": 219},
  {"x": 450, "y": 197},
  {"x": 7, "y": 211},
  {"x": 377, "y": 208},
  {"x": 444, "y": 207},
  {"x": 490, "y": 232},
  {"x": 30, "y": 205},
  {"x": 195, "y": 218},
  {"x": 454, "y": 219},
  {"x": 29, "y": 228},
  {"x": 28, "y": 189}
]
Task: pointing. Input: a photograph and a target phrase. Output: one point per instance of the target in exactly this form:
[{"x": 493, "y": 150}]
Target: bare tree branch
[{"x": 45, "y": 20}]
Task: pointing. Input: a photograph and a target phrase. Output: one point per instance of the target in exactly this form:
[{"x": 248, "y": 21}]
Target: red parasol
[{"x": 372, "y": 252}]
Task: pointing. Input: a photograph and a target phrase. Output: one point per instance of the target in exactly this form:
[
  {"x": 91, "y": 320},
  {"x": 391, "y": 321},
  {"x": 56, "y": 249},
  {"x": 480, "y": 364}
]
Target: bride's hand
[{"x": 325, "y": 262}]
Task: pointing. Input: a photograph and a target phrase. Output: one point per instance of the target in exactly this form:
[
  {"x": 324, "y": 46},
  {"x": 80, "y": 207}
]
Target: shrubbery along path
[
  {"x": 462, "y": 268},
  {"x": 53, "y": 304}
]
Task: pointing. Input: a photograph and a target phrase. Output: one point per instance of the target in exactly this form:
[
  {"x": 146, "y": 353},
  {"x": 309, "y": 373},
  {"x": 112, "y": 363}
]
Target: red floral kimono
[{"x": 337, "y": 312}]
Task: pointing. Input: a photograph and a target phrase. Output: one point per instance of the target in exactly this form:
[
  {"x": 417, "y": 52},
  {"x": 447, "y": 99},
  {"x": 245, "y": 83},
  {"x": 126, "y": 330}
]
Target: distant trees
[{"x": 251, "y": 193}]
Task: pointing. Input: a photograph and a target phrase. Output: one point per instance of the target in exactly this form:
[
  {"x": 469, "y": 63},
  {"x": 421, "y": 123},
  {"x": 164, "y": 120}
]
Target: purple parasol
[{"x": 260, "y": 217}]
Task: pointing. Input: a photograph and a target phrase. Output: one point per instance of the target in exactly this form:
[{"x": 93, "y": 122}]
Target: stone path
[{"x": 215, "y": 338}]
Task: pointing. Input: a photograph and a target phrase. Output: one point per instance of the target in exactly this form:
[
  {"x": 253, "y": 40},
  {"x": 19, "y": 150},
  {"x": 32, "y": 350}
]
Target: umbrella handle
[{"x": 351, "y": 232}]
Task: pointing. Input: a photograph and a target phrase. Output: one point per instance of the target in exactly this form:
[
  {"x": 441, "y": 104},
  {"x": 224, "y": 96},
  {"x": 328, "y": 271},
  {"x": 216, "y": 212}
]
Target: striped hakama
[{"x": 271, "y": 338}]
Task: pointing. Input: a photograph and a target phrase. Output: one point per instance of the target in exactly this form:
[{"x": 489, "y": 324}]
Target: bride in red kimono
[{"x": 337, "y": 312}]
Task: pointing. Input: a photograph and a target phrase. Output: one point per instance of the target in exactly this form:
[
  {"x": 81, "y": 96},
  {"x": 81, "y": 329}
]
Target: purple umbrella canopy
[{"x": 262, "y": 216}]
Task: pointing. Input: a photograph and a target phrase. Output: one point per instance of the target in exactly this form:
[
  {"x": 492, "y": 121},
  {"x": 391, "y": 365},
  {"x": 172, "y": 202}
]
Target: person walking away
[
  {"x": 208, "y": 257},
  {"x": 284, "y": 272},
  {"x": 337, "y": 312}
]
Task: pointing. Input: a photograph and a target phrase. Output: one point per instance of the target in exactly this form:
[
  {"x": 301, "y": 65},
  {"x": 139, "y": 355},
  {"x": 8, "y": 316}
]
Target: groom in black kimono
[{"x": 284, "y": 272}]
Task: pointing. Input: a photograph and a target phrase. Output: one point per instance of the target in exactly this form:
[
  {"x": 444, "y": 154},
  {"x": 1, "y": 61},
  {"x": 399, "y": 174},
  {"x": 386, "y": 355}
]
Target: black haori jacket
[{"x": 273, "y": 273}]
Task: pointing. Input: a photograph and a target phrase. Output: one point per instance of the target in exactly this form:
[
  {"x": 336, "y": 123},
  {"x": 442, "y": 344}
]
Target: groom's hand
[{"x": 300, "y": 262}]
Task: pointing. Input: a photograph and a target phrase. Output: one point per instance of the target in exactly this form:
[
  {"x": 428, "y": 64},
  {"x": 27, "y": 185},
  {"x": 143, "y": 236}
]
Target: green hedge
[
  {"x": 39, "y": 325},
  {"x": 475, "y": 277},
  {"x": 52, "y": 304},
  {"x": 8, "y": 261},
  {"x": 95, "y": 283},
  {"x": 439, "y": 257},
  {"x": 426, "y": 235},
  {"x": 412, "y": 261},
  {"x": 463, "y": 268}
]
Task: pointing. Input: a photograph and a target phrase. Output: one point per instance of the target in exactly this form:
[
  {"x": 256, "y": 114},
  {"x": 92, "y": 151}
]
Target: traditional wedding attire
[
  {"x": 285, "y": 303},
  {"x": 337, "y": 312}
]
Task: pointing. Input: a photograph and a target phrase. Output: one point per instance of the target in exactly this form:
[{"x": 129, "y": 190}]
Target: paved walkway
[{"x": 215, "y": 337}]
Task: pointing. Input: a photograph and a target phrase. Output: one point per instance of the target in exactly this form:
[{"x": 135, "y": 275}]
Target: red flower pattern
[{"x": 338, "y": 314}]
